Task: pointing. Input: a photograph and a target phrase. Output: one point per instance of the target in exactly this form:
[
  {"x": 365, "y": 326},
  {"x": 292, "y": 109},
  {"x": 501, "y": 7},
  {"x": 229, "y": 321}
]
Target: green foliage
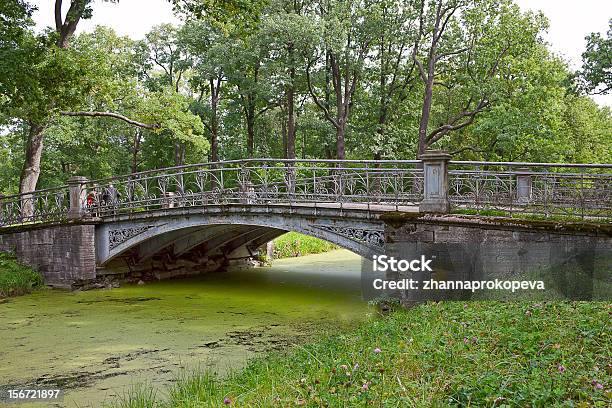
[
  {"x": 232, "y": 77},
  {"x": 438, "y": 354},
  {"x": 16, "y": 279},
  {"x": 596, "y": 72},
  {"x": 294, "y": 244},
  {"x": 228, "y": 14},
  {"x": 171, "y": 110}
]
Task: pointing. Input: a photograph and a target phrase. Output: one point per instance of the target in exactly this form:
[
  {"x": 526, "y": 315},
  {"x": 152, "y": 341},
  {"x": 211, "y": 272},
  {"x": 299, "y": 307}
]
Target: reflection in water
[{"x": 95, "y": 344}]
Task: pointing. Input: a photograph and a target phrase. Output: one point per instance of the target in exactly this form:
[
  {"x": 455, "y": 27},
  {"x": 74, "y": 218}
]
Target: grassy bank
[
  {"x": 293, "y": 244},
  {"x": 447, "y": 354},
  {"x": 16, "y": 279}
]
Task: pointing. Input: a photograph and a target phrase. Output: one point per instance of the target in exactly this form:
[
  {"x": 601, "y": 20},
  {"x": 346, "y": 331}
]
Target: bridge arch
[{"x": 149, "y": 235}]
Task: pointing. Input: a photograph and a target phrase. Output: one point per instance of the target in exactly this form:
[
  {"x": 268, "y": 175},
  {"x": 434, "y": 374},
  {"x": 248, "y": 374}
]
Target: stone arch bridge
[{"x": 202, "y": 217}]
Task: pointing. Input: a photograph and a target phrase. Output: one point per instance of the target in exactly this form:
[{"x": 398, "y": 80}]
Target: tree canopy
[
  {"x": 597, "y": 63},
  {"x": 371, "y": 79}
]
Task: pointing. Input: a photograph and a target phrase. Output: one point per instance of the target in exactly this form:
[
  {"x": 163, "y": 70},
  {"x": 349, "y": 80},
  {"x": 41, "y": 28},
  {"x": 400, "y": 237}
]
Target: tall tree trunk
[
  {"x": 214, "y": 122},
  {"x": 382, "y": 121},
  {"x": 291, "y": 105},
  {"x": 429, "y": 78},
  {"x": 328, "y": 152},
  {"x": 284, "y": 134},
  {"x": 340, "y": 148},
  {"x": 179, "y": 160},
  {"x": 65, "y": 29},
  {"x": 31, "y": 167},
  {"x": 249, "y": 104},
  {"x": 290, "y": 123},
  {"x": 250, "y": 120},
  {"x": 303, "y": 145},
  {"x": 427, "y": 99},
  {"x": 136, "y": 150},
  {"x": 425, "y": 113},
  {"x": 179, "y": 153}
]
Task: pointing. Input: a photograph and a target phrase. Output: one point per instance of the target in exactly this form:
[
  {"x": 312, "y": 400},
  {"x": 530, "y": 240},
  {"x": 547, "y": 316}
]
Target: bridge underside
[{"x": 185, "y": 242}]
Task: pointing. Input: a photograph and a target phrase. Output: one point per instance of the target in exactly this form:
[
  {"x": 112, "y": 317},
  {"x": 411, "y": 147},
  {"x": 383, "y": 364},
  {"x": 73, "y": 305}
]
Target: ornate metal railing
[
  {"x": 535, "y": 188},
  {"x": 578, "y": 190},
  {"x": 46, "y": 205},
  {"x": 259, "y": 182}
]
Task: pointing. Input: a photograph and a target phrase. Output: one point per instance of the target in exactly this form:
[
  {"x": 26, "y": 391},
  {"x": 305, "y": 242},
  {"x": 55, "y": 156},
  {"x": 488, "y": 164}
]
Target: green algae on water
[{"x": 97, "y": 344}]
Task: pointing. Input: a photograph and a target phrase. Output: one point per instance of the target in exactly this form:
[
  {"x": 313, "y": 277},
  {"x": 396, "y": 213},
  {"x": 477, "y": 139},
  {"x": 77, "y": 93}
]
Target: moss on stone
[{"x": 397, "y": 219}]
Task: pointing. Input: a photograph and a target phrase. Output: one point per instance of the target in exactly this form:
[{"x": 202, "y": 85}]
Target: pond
[{"x": 98, "y": 344}]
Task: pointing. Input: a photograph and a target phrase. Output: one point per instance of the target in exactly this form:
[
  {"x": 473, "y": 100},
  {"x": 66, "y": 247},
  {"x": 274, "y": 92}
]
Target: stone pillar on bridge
[
  {"x": 78, "y": 197},
  {"x": 435, "y": 175},
  {"x": 523, "y": 186}
]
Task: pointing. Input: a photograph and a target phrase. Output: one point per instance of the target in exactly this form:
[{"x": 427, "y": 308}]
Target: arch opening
[{"x": 202, "y": 243}]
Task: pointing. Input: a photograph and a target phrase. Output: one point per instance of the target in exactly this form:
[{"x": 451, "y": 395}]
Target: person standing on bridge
[{"x": 110, "y": 197}]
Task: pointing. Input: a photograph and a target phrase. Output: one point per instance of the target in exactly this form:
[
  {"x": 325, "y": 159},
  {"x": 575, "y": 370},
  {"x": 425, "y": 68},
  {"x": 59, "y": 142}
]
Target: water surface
[{"x": 96, "y": 344}]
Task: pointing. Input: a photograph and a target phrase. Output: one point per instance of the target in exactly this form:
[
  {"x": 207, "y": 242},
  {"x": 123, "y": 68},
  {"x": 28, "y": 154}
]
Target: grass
[
  {"x": 15, "y": 278},
  {"x": 479, "y": 354},
  {"x": 293, "y": 244}
]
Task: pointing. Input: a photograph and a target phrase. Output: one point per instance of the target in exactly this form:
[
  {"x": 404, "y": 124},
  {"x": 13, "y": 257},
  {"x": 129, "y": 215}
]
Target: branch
[
  {"x": 415, "y": 49},
  {"x": 448, "y": 54},
  {"x": 444, "y": 84},
  {"x": 207, "y": 126},
  {"x": 448, "y": 17},
  {"x": 155, "y": 59},
  {"x": 600, "y": 92},
  {"x": 440, "y": 132},
  {"x": 114, "y": 116},
  {"x": 421, "y": 70},
  {"x": 68, "y": 27},
  {"x": 495, "y": 66},
  {"x": 58, "y": 16},
  {"x": 267, "y": 108},
  {"x": 473, "y": 149},
  {"x": 316, "y": 99}
]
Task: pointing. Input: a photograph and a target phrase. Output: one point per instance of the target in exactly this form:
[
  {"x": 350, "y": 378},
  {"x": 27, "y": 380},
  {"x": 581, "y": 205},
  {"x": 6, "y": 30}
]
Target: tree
[
  {"x": 119, "y": 66},
  {"x": 53, "y": 80},
  {"x": 596, "y": 74},
  {"x": 345, "y": 43},
  {"x": 464, "y": 46},
  {"x": 288, "y": 35},
  {"x": 243, "y": 68},
  {"x": 166, "y": 65},
  {"x": 389, "y": 75},
  {"x": 207, "y": 48},
  {"x": 18, "y": 47},
  {"x": 228, "y": 14}
]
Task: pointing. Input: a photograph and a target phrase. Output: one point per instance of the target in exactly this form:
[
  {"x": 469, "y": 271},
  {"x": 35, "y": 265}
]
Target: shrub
[
  {"x": 15, "y": 278},
  {"x": 294, "y": 244}
]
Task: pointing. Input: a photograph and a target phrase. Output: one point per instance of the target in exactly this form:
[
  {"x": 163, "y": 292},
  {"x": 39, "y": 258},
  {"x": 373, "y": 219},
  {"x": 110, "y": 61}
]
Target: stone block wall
[
  {"x": 576, "y": 259},
  {"x": 63, "y": 254}
]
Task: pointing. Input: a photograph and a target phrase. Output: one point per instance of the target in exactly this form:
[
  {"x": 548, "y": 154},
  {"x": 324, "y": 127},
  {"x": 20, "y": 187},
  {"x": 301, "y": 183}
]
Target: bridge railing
[
  {"x": 549, "y": 189},
  {"x": 48, "y": 205},
  {"x": 434, "y": 184},
  {"x": 259, "y": 182}
]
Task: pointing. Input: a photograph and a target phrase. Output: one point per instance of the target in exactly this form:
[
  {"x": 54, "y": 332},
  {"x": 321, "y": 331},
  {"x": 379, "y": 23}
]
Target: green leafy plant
[
  {"x": 15, "y": 278},
  {"x": 294, "y": 244}
]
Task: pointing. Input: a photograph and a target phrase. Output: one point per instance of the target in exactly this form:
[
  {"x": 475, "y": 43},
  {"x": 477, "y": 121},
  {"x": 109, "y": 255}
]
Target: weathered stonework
[
  {"x": 63, "y": 254},
  {"x": 177, "y": 242},
  {"x": 475, "y": 248}
]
